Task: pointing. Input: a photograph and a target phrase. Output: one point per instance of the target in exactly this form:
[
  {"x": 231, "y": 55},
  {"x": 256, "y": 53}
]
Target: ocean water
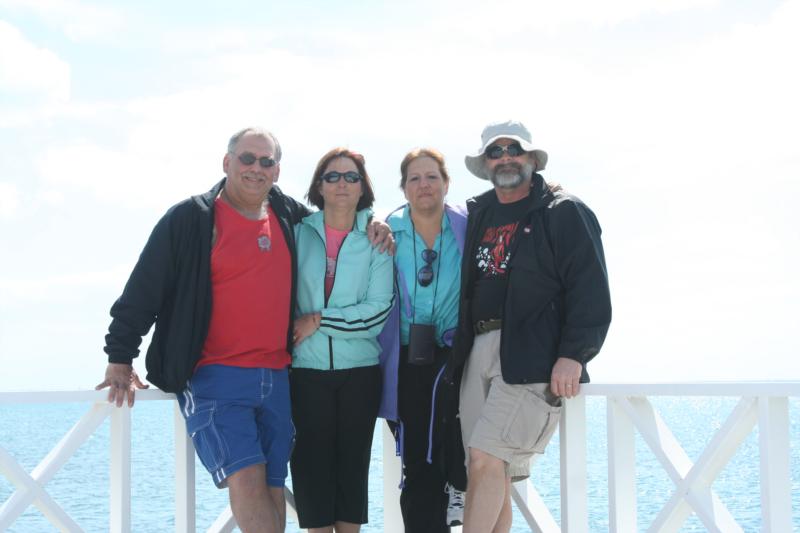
[{"x": 29, "y": 432}]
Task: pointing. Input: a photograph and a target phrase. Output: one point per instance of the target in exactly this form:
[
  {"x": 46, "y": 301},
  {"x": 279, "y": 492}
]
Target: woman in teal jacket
[
  {"x": 344, "y": 295},
  {"x": 416, "y": 340}
]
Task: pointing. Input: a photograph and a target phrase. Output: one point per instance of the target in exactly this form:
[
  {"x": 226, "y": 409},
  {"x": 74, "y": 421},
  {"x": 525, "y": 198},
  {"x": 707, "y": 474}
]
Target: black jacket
[
  {"x": 557, "y": 300},
  {"x": 171, "y": 286}
]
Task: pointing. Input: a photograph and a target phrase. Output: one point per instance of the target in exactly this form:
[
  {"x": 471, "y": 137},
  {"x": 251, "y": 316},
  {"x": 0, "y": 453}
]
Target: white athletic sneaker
[{"x": 455, "y": 506}]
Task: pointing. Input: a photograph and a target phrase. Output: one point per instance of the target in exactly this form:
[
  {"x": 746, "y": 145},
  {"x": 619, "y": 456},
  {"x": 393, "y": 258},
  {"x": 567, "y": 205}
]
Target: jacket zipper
[
  {"x": 325, "y": 306},
  {"x": 341, "y": 245}
]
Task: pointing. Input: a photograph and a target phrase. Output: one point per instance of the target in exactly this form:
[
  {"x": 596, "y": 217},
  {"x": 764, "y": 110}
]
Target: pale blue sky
[{"x": 676, "y": 121}]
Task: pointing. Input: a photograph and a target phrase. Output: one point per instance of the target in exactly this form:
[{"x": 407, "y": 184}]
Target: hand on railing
[
  {"x": 565, "y": 378},
  {"x": 122, "y": 379}
]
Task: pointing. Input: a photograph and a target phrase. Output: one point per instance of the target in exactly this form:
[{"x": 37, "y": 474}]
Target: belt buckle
[{"x": 485, "y": 326}]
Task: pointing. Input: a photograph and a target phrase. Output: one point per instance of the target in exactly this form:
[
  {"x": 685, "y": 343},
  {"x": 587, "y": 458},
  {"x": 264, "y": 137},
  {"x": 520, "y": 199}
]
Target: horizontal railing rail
[{"x": 764, "y": 405}]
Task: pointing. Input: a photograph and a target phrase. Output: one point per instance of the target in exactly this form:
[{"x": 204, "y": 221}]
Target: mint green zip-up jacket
[{"x": 359, "y": 303}]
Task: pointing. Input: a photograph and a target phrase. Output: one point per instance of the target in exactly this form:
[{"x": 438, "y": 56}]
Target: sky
[{"x": 676, "y": 121}]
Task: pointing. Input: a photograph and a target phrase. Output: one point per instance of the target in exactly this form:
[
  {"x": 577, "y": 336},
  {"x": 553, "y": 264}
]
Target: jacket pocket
[
  {"x": 532, "y": 422},
  {"x": 206, "y": 439}
]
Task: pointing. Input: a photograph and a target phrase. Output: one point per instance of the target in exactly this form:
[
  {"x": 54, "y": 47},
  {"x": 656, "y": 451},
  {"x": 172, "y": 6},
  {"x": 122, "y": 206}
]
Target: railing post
[
  {"x": 776, "y": 491},
  {"x": 120, "y": 478},
  {"x": 392, "y": 517},
  {"x": 574, "y": 504},
  {"x": 621, "y": 469},
  {"x": 184, "y": 475},
  {"x": 532, "y": 507}
]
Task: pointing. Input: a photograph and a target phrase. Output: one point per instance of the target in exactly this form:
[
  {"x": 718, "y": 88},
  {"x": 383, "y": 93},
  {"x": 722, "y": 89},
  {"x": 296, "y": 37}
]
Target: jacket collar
[
  {"x": 206, "y": 200},
  {"x": 317, "y": 221},
  {"x": 400, "y": 217}
]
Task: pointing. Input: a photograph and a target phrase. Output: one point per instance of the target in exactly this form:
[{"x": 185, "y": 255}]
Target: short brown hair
[
  {"x": 315, "y": 197},
  {"x": 416, "y": 153}
]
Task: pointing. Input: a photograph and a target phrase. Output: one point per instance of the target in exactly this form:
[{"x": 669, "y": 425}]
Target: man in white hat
[{"x": 535, "y": 308}]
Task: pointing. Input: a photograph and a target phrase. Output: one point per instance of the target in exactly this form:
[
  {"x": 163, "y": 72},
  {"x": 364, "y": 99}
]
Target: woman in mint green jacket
[{"x": 344, "y": 295}]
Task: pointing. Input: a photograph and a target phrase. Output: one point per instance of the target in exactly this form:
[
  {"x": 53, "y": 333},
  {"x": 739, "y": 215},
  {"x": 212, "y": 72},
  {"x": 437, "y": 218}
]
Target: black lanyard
[{"x": 438, "y": 269}]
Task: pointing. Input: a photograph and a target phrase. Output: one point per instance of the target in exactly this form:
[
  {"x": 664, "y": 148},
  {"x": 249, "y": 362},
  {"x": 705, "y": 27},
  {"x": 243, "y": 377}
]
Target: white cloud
[
  {"x": 28, "y": 70},
  {"x": 79, "y": 21},
  {"x": 214, "y": 40},
  {"x": 130, "y": 176},
  {"x": 50, "y": 287},
  {"x": 686, "y": 151},
  {"x": 417, "y": 87},
  {"x": 493, "y": 21},
  {"x": 9, "y": 200}
]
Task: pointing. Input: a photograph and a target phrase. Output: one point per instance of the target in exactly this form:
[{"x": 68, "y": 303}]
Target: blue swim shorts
[{"x": 238, "y": 417}]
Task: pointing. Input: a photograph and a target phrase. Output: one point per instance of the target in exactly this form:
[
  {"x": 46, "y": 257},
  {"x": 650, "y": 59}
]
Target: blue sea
[{"x": 29, "y": 432}]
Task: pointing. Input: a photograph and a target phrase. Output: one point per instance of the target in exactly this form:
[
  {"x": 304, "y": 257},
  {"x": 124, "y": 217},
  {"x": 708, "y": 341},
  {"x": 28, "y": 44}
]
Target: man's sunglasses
[
  {"x": 248, "y": 158},
  {"x": 425, "y": 274},
  {"x": 350, "y": 176},
  {"x": 496, "y": 151}
]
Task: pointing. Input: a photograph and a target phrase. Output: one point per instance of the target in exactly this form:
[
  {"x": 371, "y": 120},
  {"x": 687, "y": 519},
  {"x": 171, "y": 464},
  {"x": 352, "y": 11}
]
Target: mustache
[{"x": 507, "y": 167}]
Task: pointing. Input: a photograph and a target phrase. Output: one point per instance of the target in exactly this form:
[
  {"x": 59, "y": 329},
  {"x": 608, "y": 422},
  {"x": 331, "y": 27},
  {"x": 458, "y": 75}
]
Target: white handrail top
[
  {"x": 717, "y": 388},
  {"x": 708, "y": 388},
  {"x": 77, "y": 396}
]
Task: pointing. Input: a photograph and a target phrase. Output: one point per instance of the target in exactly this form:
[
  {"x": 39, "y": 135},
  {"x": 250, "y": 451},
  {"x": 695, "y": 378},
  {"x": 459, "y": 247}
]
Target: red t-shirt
[{"x": 251, "y": 288}]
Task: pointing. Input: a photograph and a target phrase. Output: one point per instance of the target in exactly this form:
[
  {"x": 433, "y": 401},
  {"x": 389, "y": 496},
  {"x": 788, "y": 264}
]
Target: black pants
[
  {"x": 334, "y": 414},
  {"x": 423, "y": 500}
]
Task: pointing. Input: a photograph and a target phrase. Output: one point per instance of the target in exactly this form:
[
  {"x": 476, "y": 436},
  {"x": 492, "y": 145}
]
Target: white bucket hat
[{"x": 510, "y": 129}]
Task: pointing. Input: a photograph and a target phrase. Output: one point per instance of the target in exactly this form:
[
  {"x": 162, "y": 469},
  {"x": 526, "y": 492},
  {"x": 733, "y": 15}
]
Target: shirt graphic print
[{"x": 494, "y": 250}]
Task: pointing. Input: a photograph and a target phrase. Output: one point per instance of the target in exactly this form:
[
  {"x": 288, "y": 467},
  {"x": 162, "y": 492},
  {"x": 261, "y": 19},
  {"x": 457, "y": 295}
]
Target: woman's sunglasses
[{"x": 333, "y": 177}]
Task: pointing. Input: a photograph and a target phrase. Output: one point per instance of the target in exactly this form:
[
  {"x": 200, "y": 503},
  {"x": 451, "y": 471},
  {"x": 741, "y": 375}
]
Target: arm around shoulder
[{"x": 297, "y": 211}]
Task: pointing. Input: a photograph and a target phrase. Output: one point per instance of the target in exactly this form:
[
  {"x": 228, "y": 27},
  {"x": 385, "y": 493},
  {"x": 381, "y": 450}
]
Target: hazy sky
[{"x": 676, "y": 121}]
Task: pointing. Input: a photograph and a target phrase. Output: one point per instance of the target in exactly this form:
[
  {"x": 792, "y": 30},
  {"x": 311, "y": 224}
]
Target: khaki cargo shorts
[{"x": 510, "y": 422}]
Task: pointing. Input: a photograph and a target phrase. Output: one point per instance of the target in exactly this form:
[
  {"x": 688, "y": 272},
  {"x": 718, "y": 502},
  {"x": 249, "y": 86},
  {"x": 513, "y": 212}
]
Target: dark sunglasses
[
  {"x": 350, "y": 176},
  {"x": 248, "y": 158},
  {"x": 425, "y": 274},
  {"x": 496, "y": 151}
]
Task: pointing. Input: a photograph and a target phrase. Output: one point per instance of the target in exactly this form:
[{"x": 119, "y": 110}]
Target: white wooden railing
[
  {"x": 765, "y": 405},
  {"x": 629, "y": 410}
]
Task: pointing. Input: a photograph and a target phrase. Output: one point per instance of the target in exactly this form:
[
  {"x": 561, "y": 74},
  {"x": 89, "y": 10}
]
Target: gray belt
[{"x": 485, "y": 326}]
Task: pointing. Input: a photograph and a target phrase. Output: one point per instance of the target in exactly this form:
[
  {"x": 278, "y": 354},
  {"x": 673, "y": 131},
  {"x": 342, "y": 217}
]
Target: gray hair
[{"x": 259, "y": 132}]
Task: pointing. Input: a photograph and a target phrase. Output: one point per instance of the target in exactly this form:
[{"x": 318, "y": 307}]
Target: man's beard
[{"x": 510, "y": 175}]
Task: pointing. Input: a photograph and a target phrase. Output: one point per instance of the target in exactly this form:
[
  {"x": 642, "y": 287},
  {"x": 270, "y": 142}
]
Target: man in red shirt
[{"x": 217, "y": 277}]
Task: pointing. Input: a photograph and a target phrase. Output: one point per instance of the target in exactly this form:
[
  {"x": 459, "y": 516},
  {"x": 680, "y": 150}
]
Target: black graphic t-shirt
[{"x": 492, "y": 258}]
